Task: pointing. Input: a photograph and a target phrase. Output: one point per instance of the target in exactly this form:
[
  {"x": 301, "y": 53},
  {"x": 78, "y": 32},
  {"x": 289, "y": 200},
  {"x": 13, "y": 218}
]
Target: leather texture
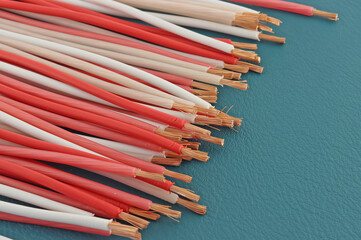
[{"x": 293, "y": 170}]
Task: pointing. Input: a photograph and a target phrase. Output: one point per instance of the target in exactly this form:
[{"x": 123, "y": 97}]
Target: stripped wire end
[
  {"x": 183, "y": 108},
  {"x": 200, "y": 209},
  {"x": 265, "y": 28},
  {"x": 204, "y": 120},
  {"x": 209, "y": 98},
  {"x": 224, "y": 73},
  {"x": 246, "y": 21},
  {"x": 189, "y": 194},
  {"x": 133, "y": 220},
  {"x": 266, "y": 18},
  {"x": 270, "y": 38},
  {"x": 237, "y": 68},
  {"x": 124, "y": 230},
  {"x": 208, "y": 111},
  {"x": 145, "y": 214},
  {"x": 167, "y": 161},
  {"x": 165, "y": 210},
  {"x": 235, "y": 84},
  {"x": 199, "y": 92},
  {"x": 179, "y": 176},
  {"x": 183, "y": 133},
  {"x": 204, "y": 86},
  {"x": 191, "y": 145},
  {"x": 190, "y": 154},
  {"x": 215, "y": 140},
  {"x": 197, "y": 129},
  {"x": 249, "y": 46},
  {"x": 153, "y": 176},
  {"x": 328, "y": 15},
  {"x": 169, "y": 135},
  {"x": 250, "y": 66}
]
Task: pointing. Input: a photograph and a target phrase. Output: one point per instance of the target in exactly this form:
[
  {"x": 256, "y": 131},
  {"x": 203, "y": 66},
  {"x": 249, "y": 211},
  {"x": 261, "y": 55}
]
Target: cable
[{"x": 39, "y": 201}]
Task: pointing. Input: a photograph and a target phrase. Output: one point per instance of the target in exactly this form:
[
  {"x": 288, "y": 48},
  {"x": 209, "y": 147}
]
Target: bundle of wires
[{"x": 83, "y": 87}]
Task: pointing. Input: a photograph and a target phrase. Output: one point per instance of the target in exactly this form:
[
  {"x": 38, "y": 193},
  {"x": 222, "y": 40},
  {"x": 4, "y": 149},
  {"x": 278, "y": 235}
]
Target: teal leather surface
[{"x": 294, "y": 169}]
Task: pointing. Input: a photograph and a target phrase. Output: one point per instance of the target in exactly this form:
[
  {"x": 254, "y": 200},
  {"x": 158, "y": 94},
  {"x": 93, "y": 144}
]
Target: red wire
[
  {"x": 75, "y": 103},
  {"x": 112, "y": 98},
  {"x": 116, "y": 26},
  {"x": 72, "y": 160},
  {"x": 105, "y": 151},
  {"x": 21, "y": 96},
  {"x": 83, "y": 183},
  {"x": 97, "y": 36},
  {"x": 81, "y": 126},
  {"x": 164, "y": 185},
  {"x": 58, "y": 186},
  {"x": 160, "y": 32},
  {"x": 19, "y": 219},
  {"x": 52, "y": 195}
]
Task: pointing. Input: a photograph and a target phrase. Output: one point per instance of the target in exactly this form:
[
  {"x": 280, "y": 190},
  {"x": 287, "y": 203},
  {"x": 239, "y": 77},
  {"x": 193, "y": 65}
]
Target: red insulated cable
[
  {"x": 160, "y": 32},
  {"x": 75, "y": 103},
  {"x": 82, "y": 33},
  {"x": 179, "y": 80},
  {"x": 67, "y": 159},
  {"x": 108, "y": 152},
  {"x": 83, "y": 183},
  {"x": 81, "y": 126},
  {"x": 58, "y": 186},
  {"x": 86, "y": 116},
  {"x": 164, "y": 185},
  {"x": 107, "y": 96},
  {"x": 19, "y": 219},
  {"x": 52, "y": 195},
  {"x": 280, "y": 5},
  {"x": 116, "y": 26}
]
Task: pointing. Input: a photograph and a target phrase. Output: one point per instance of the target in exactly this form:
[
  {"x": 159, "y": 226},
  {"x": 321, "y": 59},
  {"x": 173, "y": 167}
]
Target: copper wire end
[
  {"x": 265, "y": 28},
  {"x": 237, "y": 68},
  {"x": 171, "y": 154},
  {"x": 249, "y": 46},
  {"x": 200, "y": 209},
  {"x": 183, "y": 108},
  {"x": 179, "y": 176},
  {"x": 144, "y": 214},
  {"x": 191, "y": 145},
  {"x": 225, "y": 73},
  {"x": 124, "y": 230},
  {"x": 138, "y": 236},
  {"x": 246, "y": 55},
  {"x": 328, "y": 15},
  {"x": 167, "y": 161},
  {"x": 204, "y": 86},
  {"x": 272, "y": 38},
  {"x": 189, "y": 194},
  {"x": 133, "y": 220},
  {"x": 194, "y": 128},
  {"x": 265, "y": 18},
  {"x": 153, "y": 176},
  {"x": 164, "y": 210},
  {"x": 199, "y": 92},
  {"x": 237, "y": 121},
  {"x": 215, "y": 140},
  {"x": 252, "y": 67},
  {"x": 199, "y": 155},
  {"x": 204, "y": 120},
  {"x": 182, "y": 133},
  {"x": 208, "y": 111},
  {"x": 246, "y": 21},
  {"x": 235, "y": 84},
  {"x": 170, "y": 135},
  {"x": 209, "y": 98}
]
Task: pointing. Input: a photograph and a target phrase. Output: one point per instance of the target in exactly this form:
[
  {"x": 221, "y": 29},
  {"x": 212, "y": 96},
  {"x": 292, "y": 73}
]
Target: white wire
[
  {"x": 132, "y": 182},
  {"x": 143, "y": 186},
  {"x": 110, "y": 87},
  {"x": 227, "y": 5},
  {"x": 53, "y": 216},
  {"x": 5, "y": 238},
  {"x": 51, "y": 83},
  {"x": 39, "y": 201},
  {"x": 106, "y": 45},
  {"x": 225, "y": 47},
  {"x": 156, "y": 81},
  {"x": 122, "y": 147}
]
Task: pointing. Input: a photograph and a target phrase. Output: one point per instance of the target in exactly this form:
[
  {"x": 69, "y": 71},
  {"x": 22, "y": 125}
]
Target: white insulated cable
[
  {"x": 5, "y": 238},
  {"x": 53, "y": 216},
  {"x": 110, "y": 87},
  {"x": 122, "y": 147},
  {"x": 105, "y": 45},
  {"x": 39, "y": 201},
  {"x": 224, "y": 47},
  {"x": 156, "y": 81}
]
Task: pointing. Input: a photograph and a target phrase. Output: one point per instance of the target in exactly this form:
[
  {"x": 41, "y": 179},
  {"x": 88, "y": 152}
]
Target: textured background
[{"x": 293, "y": 170}]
